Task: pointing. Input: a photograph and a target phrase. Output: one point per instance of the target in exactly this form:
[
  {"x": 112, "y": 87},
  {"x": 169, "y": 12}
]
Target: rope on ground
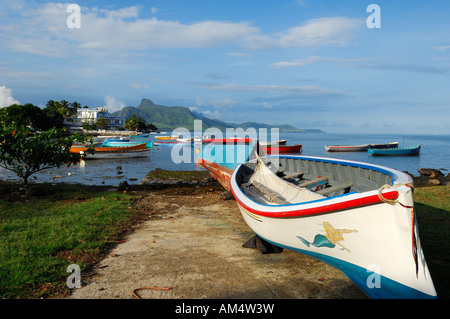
[
  {"x": 391, "y": 201},
  {"x": 155, "y": 288}
]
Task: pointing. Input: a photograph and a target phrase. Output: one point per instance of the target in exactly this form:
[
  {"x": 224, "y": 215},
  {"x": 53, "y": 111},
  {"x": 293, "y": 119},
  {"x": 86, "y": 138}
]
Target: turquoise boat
[
  {"x": 221, "y": 156},
  {"x": 140, "y": 135},
  {"x": 400, "y": 151},
  {"x": 120, "y": 143}
]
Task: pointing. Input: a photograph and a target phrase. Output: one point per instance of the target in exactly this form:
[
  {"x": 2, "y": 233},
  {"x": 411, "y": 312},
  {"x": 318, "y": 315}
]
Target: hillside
[{"x": 172, "y": 117}]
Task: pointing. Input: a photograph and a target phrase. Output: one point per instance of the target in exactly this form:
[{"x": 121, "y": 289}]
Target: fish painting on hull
[{"x": 332, "y": 237}]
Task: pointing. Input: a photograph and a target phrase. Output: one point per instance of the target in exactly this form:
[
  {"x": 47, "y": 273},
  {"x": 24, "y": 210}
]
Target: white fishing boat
[
  {"x": 357, "y": 217},
  {"x": 116, "y": 154}
]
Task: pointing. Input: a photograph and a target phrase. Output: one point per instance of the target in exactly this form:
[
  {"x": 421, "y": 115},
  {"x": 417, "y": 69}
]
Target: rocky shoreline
[{"x": 430, "y": 177}]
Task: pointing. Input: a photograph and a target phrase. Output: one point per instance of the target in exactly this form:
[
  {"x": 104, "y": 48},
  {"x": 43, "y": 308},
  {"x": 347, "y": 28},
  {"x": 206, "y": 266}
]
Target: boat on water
[
  {"x": 356, "y": 217},
  {"x": 281, "y": 149},
  {"x": 122, "y": 139},
  {"x": 384, "y": 145},
  {"x": 172, "y": 143},
  {"x": 347, "y": 148},
  {"x": 108, "y": 143},
  {"x": 116, "y": 154},
  {"x": 102, "y": 152},
  {"x": 399, "y": 151},
  {"x": 267, "y": 143},
  {"x": 140, "y": 135},
  {"x": 221, "y": 156},
  {"x": 166, "y": 137}
]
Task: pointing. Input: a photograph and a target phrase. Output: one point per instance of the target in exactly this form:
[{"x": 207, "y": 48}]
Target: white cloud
[
  {"x": 6, "y": 98},
  {"x": 216, "y": 103},
  {"x": 41, "y": 29},
  {"x": 112, "y": 104},
  {"x": 277, "y": 89},
  {"x": 314, "y": 59},
  {"x": 319, "y": 32}
]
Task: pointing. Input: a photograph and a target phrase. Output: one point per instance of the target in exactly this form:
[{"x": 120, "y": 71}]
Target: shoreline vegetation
[{"x": 50, "y": 227}]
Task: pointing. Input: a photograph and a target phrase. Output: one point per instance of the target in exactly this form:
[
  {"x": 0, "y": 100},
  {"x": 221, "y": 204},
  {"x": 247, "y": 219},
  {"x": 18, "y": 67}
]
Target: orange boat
[{"x": 76, "y": 149}]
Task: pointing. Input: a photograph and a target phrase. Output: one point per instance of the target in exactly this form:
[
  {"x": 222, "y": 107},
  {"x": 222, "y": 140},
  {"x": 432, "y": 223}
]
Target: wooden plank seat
[
  {"x": 333, "y": 189},
  {"x": 294, "y": 175},
  {"x": 315, "y": 184}
]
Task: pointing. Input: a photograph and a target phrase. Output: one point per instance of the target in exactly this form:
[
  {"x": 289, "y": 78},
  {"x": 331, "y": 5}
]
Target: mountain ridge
[{"x": 172, "y": 117}]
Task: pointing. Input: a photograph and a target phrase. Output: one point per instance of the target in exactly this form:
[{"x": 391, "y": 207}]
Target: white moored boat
[{"x": 354, "y": 216}]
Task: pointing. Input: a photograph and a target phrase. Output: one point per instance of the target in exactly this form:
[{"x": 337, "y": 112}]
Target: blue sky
[{"x": 308, "y": 63}]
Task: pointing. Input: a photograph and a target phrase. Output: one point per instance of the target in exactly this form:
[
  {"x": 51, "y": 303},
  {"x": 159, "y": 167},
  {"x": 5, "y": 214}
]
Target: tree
[
  {"x": 74, "y": 109},
  {"x": 151, "y": 127},
  {"x": 135, "y": 123},
  {"x": 102, "y": 122},
  {"x": 26, "y": 151}
]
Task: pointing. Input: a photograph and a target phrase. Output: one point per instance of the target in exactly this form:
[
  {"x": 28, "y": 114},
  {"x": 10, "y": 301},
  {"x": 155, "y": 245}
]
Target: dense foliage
[{"x": 29, "y": 145}]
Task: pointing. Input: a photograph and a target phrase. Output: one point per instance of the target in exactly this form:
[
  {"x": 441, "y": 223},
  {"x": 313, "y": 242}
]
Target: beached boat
[
  {"x": 399, "y": 151},
  {"x": 100, "y": 151},
  {"x": 362, "y": 221},
  {"x": 221, "y": 156},
  {"x": 281, "y": 149},
  {"x": 347, "y": 148},
  {"x": 384, "y": 145}
]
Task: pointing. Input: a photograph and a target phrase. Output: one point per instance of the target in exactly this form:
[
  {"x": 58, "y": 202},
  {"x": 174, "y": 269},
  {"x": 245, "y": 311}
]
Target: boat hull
[
  {"x": 100, "y": 148},
  {"x": 375, "y": 243},
  {"x": 384, "y": 145},
  {"x": 401, "y": 151},
  {"x": 221, "y": 156},
  {"x": 347, "y": 148},
  {"x": 121, "y": 144},
  {"x": 282, "y": 149},
  {"x": 117, "y": 154}
]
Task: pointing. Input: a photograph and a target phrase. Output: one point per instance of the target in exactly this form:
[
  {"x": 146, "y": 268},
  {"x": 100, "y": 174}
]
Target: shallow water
[{"x": 435, "y": 153}]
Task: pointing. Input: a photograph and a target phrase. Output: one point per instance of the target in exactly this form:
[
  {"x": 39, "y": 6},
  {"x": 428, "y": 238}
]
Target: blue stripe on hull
[{"x": 389, "y": 289}]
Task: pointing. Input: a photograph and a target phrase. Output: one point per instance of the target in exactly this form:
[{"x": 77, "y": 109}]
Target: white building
[{"x": 86, "y": 115}]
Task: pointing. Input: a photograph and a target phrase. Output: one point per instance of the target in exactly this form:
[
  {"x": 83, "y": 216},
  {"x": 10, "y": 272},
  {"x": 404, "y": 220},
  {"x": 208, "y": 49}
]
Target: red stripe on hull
[{"x": 322, "y": 209}]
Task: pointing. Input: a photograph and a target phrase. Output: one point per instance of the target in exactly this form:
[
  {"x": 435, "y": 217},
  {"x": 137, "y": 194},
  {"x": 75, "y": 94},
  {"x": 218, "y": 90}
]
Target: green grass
[
  {"x": 433, "y": 216},
  {"x": 41, "y": 236}
]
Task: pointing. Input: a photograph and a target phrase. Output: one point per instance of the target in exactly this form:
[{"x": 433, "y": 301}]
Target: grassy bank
[
  {"x": 55, "y": 226},
  {"x": 432, "y": 206}
]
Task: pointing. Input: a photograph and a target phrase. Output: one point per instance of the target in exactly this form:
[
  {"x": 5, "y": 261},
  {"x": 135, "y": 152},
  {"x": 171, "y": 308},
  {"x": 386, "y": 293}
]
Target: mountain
[{"x": 172, "y": 117}]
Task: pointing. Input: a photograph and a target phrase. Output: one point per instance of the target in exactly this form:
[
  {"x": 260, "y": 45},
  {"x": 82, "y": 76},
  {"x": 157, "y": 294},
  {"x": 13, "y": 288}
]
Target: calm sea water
[{"x": 435, "y": 153}]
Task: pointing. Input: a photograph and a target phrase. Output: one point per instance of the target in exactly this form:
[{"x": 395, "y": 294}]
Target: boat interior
[{"x": 322, "y": 178}]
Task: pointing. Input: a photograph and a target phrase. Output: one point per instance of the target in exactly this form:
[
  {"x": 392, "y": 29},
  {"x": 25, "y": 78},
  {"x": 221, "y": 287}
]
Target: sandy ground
[{"x": 192, "y": 244}]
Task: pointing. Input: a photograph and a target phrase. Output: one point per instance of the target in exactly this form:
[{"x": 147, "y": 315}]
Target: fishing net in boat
[{"x": 267, "y": 188}]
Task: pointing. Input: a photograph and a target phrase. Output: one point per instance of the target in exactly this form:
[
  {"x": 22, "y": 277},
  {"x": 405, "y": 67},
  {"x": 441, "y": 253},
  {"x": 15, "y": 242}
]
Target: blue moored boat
[
  {"x": 120, "y": 143},
  {"x": 400, "y": 151}
]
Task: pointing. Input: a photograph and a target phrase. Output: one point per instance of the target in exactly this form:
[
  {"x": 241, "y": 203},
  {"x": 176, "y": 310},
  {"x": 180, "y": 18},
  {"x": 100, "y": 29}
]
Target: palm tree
[
  {"x": 102, "y": 122},
  {"x": 75, "y": 106}
]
